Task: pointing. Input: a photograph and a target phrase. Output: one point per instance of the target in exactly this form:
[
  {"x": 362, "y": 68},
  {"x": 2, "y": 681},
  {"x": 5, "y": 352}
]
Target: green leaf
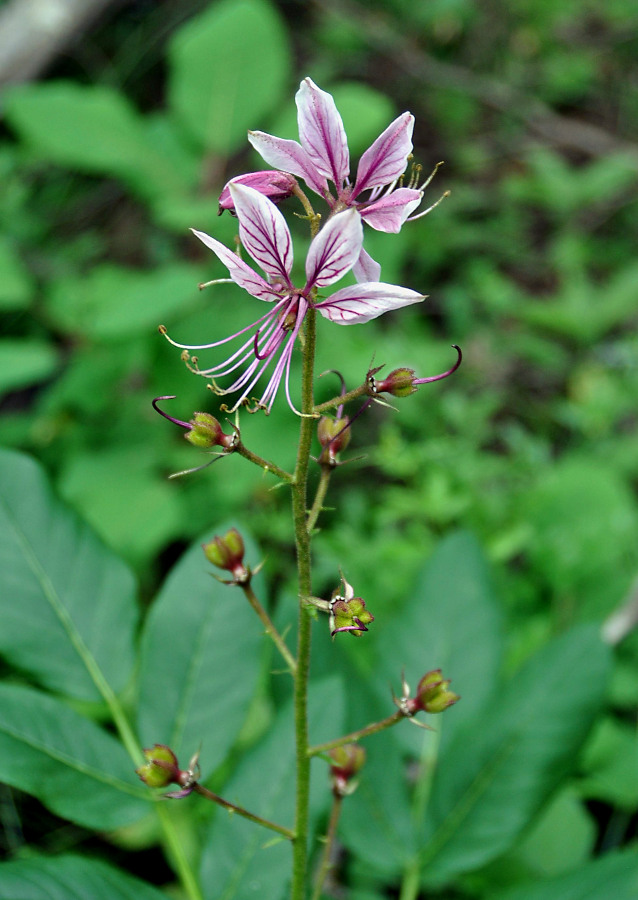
[
  {"x": 229, "y": 67},
  {"x": 93, "y": 129},
  {"x": 562, "y": 839},
  {"x": 95, "y": 486},
  {"x": 25, "y": 362},
  {"x": 565, "y": 511},
  {"x": 239, "y": 859},
  {"x": 68, "y": 762},
  {"x": 16, "y": 286},
  {"x": 200, "y": 659},
  {"x": 112, "y": 302},
  {"x": 614, "y": 875},
  {"x": 375, "y": 823},
  {"x": 450, "y": 622},
  {"x": 611, "y": 763},
  {"x": 501, "y": 768},
  {"x": 66, "y": 602},
  {"x": 70, "y": 877}
]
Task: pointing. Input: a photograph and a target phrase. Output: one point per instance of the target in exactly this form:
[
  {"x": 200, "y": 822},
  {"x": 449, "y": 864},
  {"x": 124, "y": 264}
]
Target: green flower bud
[
  {"x": 347, "y": 760},
  {"x": 161, "y": 768},
  {"x": 334, "y": 436},
  {"x": 433, "y": 694},
  {"x": 228, "y": 553},
  {"x": 399, "y": 383},
  {"x": 206, "y": 432}
]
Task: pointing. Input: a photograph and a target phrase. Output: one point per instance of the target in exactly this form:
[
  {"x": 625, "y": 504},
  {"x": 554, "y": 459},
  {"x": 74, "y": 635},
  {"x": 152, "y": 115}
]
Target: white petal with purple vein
[{"x": 363, "y": 302}]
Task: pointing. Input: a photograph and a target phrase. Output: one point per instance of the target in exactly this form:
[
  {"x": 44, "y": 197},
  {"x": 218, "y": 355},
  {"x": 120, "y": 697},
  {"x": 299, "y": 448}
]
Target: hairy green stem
[
  {"x": 357, "y": 735},
  {"x": 326, "y": 856},
  {"x": 320, "y": 496},
  {"x": 264, "y": 464},
  {"x": 240, "y": 811},
  {"x": 302, "y": 545},
  {"x": 271, "y": 631},
  {"x": 361, "y": 391}
]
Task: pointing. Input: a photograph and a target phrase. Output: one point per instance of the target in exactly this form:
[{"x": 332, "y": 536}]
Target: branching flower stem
[
  {"x": 326, "y": 856},
  {"x": 357, "y": 735},
  {"x": 269, "y": 627},
  {"x": 264, "y": 464},
  {"x": 280, "y": 829},
  {"x": 361, "y": 391}
]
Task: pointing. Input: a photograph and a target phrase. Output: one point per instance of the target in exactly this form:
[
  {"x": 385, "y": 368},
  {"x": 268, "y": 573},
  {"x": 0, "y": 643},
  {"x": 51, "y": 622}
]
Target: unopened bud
[
  {"x": 399, "y": 383},
  {"x": 205, "y": 432},
  {"x": 161, "y": 767},
  {"x": 334, "y": 436},
  {"x": 346, "y": 761},
  {"x": 228, "y": 553},
  {"x": 433, "y": 694},
  {"x": 271, "y": 183}
]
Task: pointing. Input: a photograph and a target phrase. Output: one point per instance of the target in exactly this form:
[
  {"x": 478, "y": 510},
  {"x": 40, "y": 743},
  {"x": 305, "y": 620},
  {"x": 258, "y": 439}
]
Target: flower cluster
[{"x": 377, "y": 197}]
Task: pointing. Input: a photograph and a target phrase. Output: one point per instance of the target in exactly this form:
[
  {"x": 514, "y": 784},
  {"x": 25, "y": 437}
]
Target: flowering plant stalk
[{"x": 381, "y": 199}]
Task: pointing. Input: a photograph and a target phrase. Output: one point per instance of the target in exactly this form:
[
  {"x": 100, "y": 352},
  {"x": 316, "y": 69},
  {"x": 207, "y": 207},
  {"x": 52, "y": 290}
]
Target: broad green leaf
[
  {"x": 200, "y": 658},
  {"x": 66, "y": 602},
  {"x": 501, "y": 768},
  {"x": 16, "y": 286},
  {"x": 111, "y": 302},
  {"x": 614, "y": 875},
  {"x": 229, "y": 67},
  {"x": 611, "y": 764},
  {"x": 376, "y": 825},
  {"x": 562, "y": 839},
  {"x": 449, "y": 622},
  {"x": 25, "y": 362},
  {"x": 239, "y": 857},
  {"x": 565, "y": 511},
  {"x": 69, "y": 763},
  {"x": 100, "y": 486},
  {"x": 70, "y": 877},
  {"x": 93, "y": 129}
]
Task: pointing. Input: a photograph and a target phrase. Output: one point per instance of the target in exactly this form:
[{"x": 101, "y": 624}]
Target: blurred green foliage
[{"x": 532, "y": 446}]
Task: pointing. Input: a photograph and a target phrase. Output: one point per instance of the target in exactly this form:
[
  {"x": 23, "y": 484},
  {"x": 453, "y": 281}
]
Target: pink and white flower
[
  {"x": 332, "y": 254},
  {"x": 322, "y": 156}
]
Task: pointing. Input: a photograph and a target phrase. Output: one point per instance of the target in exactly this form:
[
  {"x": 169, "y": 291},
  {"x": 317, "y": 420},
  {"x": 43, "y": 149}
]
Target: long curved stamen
[
  {"x": 162, "y": 330},
  {"x": 154, "y": 402},
  {"x": 282, "y": 368},
  {"x": 254, "y": 365},
  {"x": 443, "y": 374},
  {"x": 268, "y": 350},
  {"x": 246, "y": 349},
  {"x": 429, "y": 209}
]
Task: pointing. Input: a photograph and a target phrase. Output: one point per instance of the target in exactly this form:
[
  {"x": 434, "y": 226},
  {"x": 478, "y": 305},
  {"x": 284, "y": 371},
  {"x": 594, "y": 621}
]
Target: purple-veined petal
[
  {"x": 335, "y": 249},
  {"x": 239, "y": 271},
  {"x": 389, "y": 212},
  {"x": 366, "y": 268},
  {"x": 289, "y": 156},
  {"x": 273, "y": 184},
  {"x": 263, "y": 231},
  {"x": 321, "y": 132},
  {"x": 386, "y": 159},
  {"x": 363, "y": 302}
]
